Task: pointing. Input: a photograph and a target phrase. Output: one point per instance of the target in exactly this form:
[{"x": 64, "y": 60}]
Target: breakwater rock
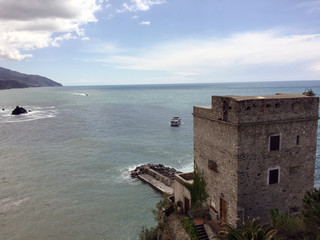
[{"x": 167, "y": 172}]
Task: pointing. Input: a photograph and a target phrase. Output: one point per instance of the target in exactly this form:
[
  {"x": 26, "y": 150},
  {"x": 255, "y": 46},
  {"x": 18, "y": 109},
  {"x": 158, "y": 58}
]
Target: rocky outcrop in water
[
  {"x": 19, "y": 110},
  {"x": 163, "y": 170}
]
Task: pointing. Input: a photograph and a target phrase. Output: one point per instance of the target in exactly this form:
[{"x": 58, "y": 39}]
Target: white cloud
[
  {"x": 315, "y": 67},
  {"x": 145, "y": 23},
  {"x": 196, "y": 56},
  {"x": 57, "y": 41},
  {"x": 31, "y": 24},
  {"x": 139, "y": 5}
]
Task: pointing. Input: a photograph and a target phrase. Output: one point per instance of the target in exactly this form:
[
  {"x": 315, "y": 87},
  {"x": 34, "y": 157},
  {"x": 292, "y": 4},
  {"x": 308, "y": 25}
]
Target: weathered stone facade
[
  {"x": 256, "y": 153},
  {"x": 181, "y": 193}
]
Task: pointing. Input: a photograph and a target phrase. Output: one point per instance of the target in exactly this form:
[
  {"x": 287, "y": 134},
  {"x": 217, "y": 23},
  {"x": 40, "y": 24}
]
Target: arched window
[{"x": 213, "y": 166}]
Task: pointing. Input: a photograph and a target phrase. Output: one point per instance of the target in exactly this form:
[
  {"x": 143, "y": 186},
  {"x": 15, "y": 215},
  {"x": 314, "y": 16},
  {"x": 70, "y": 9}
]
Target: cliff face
[{"x": 11, "y": 79}]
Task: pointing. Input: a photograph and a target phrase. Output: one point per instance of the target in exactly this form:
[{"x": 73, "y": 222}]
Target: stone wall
[
  {"x": 216, "y": 141},
  {"x": 296, "y": 161},
  {"x": 158, "y": 176},
  {"x": 180, "y": 190},
  {"x": 252, "y": 109}
]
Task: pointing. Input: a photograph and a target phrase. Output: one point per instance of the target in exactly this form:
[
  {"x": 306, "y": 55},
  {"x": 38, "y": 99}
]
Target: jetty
[{"x": 157, "y": 176}]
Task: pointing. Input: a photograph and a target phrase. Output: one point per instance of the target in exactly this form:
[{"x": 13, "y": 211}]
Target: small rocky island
[{"x": 19, "y": 110}]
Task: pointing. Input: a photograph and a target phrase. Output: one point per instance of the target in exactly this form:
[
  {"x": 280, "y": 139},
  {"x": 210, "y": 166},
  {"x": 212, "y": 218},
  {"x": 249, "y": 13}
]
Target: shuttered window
[
  {"x": 274, "y": 142},
  {"x": 274, "y": 176}
]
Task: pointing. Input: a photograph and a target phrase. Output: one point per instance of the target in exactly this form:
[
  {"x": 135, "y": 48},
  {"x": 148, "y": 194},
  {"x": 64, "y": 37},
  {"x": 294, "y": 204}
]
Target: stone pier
[{"x": 158, "y": 176}]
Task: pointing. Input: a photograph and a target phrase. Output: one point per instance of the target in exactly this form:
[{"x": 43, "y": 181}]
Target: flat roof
[{"x": 276, "y": 96}]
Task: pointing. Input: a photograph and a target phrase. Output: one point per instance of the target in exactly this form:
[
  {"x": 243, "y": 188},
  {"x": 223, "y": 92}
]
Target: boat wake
[{"x": 80, "y": 94}]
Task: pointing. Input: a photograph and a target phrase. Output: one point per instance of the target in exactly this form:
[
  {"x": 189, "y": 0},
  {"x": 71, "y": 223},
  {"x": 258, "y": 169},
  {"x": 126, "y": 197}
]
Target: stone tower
[{"x": 256, "y": 153}]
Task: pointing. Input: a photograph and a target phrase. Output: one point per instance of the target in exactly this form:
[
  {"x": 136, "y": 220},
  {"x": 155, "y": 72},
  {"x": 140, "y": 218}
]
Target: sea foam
[{"x": 34, "y": 113}]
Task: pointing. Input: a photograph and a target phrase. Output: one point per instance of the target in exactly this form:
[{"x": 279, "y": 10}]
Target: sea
[{"x": 65, "y": 166}]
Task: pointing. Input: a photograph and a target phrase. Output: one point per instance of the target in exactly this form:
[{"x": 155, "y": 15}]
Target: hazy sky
[{"x": 98, "y": 42}]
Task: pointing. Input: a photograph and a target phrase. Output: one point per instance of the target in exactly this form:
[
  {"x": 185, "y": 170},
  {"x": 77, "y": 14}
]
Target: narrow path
[
  {"x": 176, "y": 230},
  {"x": 160, "y": 186}
]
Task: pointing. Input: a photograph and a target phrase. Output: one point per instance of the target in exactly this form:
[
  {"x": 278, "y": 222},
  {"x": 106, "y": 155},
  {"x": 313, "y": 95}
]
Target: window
[
  {"x": 298, "y": 140},
  {"x": 274, "y": 144},
  {"x": 294, "y": 210},
  {"x": 212, "y": 166},
  {"x": 273, "y": 175}
]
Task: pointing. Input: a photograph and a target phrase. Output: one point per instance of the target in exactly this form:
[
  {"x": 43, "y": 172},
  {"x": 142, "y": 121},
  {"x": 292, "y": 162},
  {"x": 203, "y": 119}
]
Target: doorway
[
  {"x": 186, "y": 205},
  {"x": 223, "y": 210}
]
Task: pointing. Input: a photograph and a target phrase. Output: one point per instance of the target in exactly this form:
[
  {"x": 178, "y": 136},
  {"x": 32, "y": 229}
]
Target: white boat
[{"x": 175, "y": 121}]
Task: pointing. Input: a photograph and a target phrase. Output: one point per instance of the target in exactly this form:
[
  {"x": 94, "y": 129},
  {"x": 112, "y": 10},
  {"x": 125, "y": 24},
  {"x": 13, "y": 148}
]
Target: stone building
[{"x": 256, "y": 153}]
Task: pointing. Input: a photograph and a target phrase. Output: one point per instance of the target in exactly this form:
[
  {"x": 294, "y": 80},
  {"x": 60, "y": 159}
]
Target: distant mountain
[{"x": 11, "y": 79}]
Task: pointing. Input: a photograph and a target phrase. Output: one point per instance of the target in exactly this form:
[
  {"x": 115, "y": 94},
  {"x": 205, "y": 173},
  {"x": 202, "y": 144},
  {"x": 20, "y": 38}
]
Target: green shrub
[
  {"x": 289, "y": 227},
  {"x": 152, "y": 232},
  {"x": 197, "y": 189},
  {"x": 148, "y": 233},
  {"x": 187, "y": 224},
  {"x": 311, "y": 213},
  {"x": 248, "y": 230}
]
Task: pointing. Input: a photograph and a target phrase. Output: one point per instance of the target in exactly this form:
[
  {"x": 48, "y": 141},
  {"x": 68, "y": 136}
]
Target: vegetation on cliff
[
  {"x": 197, "y": 189},
  {"x": 153, "y": 233},
  {"x": 12, "y": 79},
  {"x": 249, "y": 230},
  {"x": 284, "y": 226}
]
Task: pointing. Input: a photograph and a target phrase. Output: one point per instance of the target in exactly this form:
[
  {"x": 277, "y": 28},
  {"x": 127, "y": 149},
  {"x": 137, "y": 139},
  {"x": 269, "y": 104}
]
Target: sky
[{"x": 114, "y": 42}]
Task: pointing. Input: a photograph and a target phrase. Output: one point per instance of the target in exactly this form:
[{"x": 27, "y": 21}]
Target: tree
[
  {"x": 284, "y": 225},
  {"x": 288, "y": 226},
  {"x": 306, "y": 226},
  {"x": 248, "y": 230},
  {"x": 311, "y": 213}
]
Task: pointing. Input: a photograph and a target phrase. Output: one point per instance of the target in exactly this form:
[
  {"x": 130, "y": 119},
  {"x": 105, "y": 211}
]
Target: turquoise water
[{"x": 64, "y": 167}]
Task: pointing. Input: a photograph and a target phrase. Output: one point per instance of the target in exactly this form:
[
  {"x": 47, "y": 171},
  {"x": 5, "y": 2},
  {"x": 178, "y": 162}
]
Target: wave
[
  {"x": 43, "y": 108},
  {"x": 187, "y": 167},
  {"x": 34, "y": 113},
  {"x": 7, "y": 204},
  {"x": 185, "y": 163},
  {"x": 124, "y": 175}
]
